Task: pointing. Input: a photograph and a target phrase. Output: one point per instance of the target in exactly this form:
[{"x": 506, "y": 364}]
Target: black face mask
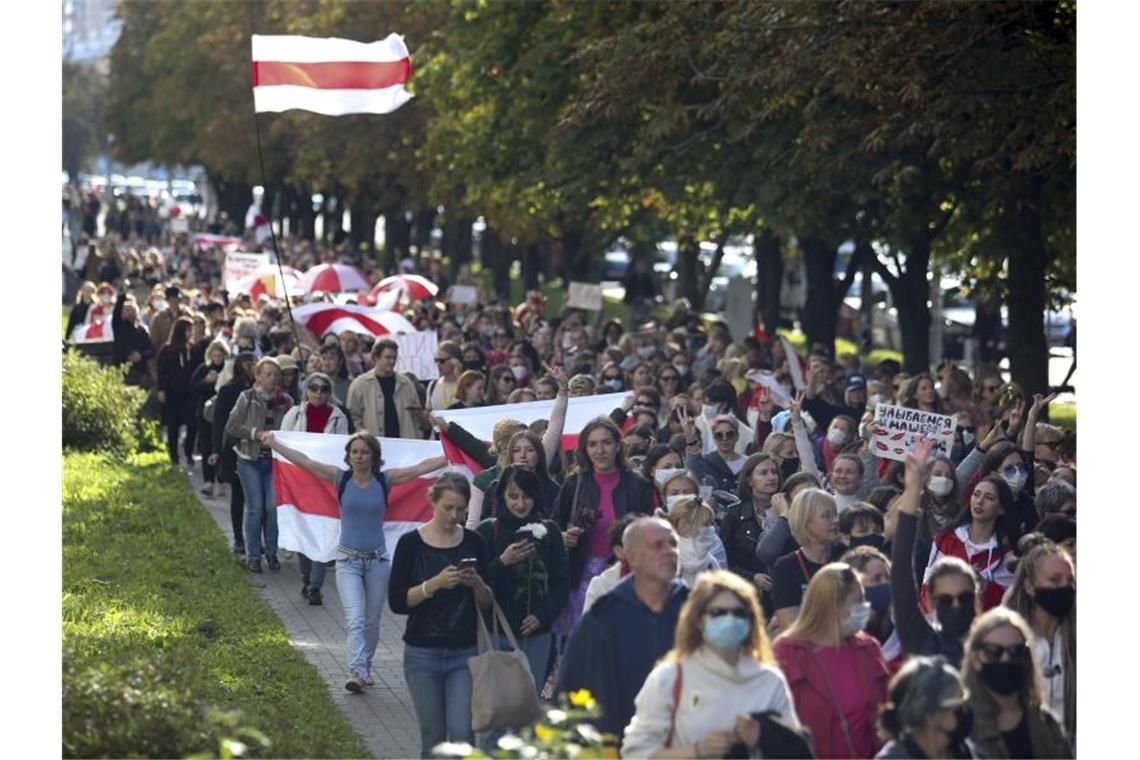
[
  {"x": 964, "y": 727},
  {"x": 874, "y": 539},
  {"x": 1003, "y": 678},
  {"x": 955, "y": 621},
  {"x": 789, "y": 468},
  {"x": 475, "y": 365},
  {"x": 1056, "y": 601}
]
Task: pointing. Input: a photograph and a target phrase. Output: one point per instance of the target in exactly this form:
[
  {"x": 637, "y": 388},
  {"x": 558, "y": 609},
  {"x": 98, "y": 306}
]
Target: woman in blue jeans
[
  {"x": 437, "y": 581},
  {"x": 362, "y": 565}
]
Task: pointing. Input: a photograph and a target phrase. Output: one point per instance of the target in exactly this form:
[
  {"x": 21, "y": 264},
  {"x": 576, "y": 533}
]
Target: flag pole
[{"x": 268, "y": 214}]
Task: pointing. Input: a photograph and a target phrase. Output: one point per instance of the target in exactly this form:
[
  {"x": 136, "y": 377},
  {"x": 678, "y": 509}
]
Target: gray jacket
[{"x": 251, "y": 415}]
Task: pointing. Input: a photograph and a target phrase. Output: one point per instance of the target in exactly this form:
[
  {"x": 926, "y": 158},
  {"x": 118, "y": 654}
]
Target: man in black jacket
[
  {"x": 620, "y": 639},
  {"x": 131, "y": 341}
]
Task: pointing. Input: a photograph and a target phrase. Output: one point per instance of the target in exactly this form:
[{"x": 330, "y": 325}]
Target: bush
[
  {"x": 100, "y": 411},
  {"x": 146, "y": 713}
]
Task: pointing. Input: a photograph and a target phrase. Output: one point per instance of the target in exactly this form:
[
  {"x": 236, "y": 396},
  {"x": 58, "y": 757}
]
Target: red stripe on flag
[
  {"x": 332, "y": 75},
  {"x": 321, "y": 321},
  {"x": 457, "y": 456},
  {"x": 407, "y": 502}
]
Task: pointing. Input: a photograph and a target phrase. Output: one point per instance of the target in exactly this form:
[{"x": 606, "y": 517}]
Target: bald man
[{"x": 617, "y": 642}]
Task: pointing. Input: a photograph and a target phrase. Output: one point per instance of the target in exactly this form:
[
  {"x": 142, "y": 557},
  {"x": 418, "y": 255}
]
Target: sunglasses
[
  {"x": 319, "y": 388},
  {"x": 669, "y": 378},
  {"x": 994, "y": 652},
  {"x": 728, "y": 435},
  {"x": 965, "y": 599},
  {"x": 991, "y": 388},
  {"x": 737, "y": 612},
  {"x": 441, "y": 359},
  {"x": 612, "y": 377}
]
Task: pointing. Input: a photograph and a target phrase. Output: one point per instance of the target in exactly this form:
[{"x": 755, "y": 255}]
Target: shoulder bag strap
[
  {"x": 803, "y": 565},
  {"x": 678, "y": 682},
  {"x": 835, "y": 702}
]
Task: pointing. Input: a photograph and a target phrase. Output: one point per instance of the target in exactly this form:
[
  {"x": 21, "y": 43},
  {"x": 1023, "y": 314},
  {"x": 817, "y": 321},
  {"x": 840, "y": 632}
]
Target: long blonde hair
[
  {"x": 819, "y": 614},
  {"x": 689, "y": 636},
  {"x": 1030, "y": 692}
]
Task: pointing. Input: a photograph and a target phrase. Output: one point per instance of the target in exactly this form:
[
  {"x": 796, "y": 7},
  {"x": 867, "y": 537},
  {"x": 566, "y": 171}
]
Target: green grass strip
[{"x": 148, "y": 577}]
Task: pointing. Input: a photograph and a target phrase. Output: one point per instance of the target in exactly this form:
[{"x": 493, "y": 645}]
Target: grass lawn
[
  {"x": 1063, "y": 415},
  {"x": 148, "y": 578}
]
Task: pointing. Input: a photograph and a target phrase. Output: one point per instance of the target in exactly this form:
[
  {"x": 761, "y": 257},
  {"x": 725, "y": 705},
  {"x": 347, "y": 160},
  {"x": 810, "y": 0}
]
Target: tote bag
[{"x": 502, "y": 686}]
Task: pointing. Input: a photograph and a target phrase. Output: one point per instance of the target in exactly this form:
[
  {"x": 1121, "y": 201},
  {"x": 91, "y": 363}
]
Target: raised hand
[
  {"x": 915, "y": 465},
  {"x": 795, "y": 409},
  {"x": 1039, "y": 403}
]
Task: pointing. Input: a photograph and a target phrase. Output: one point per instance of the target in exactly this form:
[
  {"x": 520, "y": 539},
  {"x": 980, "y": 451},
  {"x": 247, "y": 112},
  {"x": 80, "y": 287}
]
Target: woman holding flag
[{"x": 362, "y": 562}]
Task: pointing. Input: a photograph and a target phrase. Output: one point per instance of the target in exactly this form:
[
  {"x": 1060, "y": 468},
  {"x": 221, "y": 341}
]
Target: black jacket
[
  {"x": 915, "y": 633},
  {"x": 542, "y": 583},
  {"x": 711, "y": 470},
  {"x": 633, "y": 494},
  {"x": 223, "y": 405},
  {"x": 614, "y": 647},
  {"x": 740, "y": 533},
  {"x": 129, "y": 337}
]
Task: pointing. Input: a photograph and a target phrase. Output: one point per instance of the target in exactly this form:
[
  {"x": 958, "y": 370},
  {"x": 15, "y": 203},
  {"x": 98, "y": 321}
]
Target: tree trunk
[
  {"x": 305, "y": 216},
  {"x": 910, "y": 295},
  {"x": 424, "y": 221},
  {"x": 457, "y": 240},
  {"x": 363, "y": 235},
  {"x": 770, "y": 270},
  {"x": 497, "y": 258},
  {"x": 688, "y": 268},
  {"x": 1021, "y": 229},
  {"x": 571, "y": 247},
  {"x": 397, "y": 237},
  {"x": 531, "y": 261},
  {"x": 333, "y": 214},
  {"x": 819, "y": 314},
  {"x": 233, "y": 199}
]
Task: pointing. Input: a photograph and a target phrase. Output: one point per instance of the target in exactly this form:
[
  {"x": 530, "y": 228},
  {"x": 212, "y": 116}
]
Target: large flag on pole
[{"x": 330, "y": 75}]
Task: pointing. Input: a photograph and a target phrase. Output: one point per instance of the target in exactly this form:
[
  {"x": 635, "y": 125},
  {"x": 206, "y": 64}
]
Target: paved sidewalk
[{"x": 383, "y": 715}]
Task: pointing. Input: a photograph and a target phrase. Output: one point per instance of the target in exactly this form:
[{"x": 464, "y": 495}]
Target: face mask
[
  {"x": 567, "y": 341},
  {"x": 836, "y": 438},
  {"x": 879, "y": 596},
  {"x": 706, "y": 538},
  {"x": 646, "y": 351},
  {"x": 856, "y": 619},
  {"x": 939, "y": 485},
  {"x": 964, "y": 726},
  {"x": 663, "y": 474},
  {"x": 955, "y": 621},
  {"x": 967, "y": 438},
  {"x": 789, "y": 468},
  {"x": 709, "y": 410},
  {"x": 614, "y": 384},
  {"x": 726, "y": 632},
  {"x": 1015, "y": 478},
  {"x": 1056, "y": 601},
  {"x": 628, "y": 363},
  {"x": 875, "y": 400},
  {"x": 1003, "y": 678},
  {"x": 671, "y": 500},
  {"x": 682, "y": 369},
  {"x": 475, "y": 365},
  {"x": 874, "y": 539},
  {"x": 519, "y": 372},
  {"x": 159, "y": 305}
]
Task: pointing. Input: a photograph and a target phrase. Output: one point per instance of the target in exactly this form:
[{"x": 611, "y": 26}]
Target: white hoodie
[{"x": 713, "y": 694}]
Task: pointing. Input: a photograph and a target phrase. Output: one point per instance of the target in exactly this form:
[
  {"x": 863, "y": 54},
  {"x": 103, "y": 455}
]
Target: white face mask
[
  {"x": 646, "y": 351},
  {"x": 567, "y": 340},
  {"x": 671, "y": 500},
  {"x": 939, "y": 485},
  {"x": 709, "y": 410},
  {"x": 682, "y": 369},
  {"x": 663, "y": 474},
  {"x": 967, "y": 439},
  {"x": 1015, "y": 481},
  {"x": 836, "y": 437},
  {"x": 874, "y": 400},
  {"x": 519, "y": 372}
]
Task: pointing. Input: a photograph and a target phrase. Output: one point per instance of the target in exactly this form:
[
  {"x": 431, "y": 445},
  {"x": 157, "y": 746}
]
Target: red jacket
[{"x": 810, "y": 692}]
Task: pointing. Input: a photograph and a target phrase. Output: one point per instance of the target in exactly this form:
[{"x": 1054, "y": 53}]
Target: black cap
[{"x": 173, "y": 292}]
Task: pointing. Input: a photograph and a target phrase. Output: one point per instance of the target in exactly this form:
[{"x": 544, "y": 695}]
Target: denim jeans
[
  {"x": 363, "y": 588},
  {"x": 257, "y": 485},
  {"x": 313, "y": 573},
  {"x": 440, "y": 684}
]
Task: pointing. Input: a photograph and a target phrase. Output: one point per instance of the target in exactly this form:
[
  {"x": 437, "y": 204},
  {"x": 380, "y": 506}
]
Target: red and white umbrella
[
  {"x": 411, "y": 287},
  {"x": 333, "y": 278},
  {"x": 322, "y": 318},
  {"x": 267, "y": 279}
]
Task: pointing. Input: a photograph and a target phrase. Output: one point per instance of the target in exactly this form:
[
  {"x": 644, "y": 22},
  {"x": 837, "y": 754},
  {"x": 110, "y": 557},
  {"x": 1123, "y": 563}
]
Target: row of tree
[{"x": 932, "y": 134}]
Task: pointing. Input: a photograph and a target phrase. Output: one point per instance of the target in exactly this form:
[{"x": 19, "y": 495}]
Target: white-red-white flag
[
  {"x": 321, "y": 318},
  {"x": 330, "y": 75}
]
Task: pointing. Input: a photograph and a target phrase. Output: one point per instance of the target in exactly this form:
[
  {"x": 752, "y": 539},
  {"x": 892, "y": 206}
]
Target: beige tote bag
[{"x": 502, "y": 687}]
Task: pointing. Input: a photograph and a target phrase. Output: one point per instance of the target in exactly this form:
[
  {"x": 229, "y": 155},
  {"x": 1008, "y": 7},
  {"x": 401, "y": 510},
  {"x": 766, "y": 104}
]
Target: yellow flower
[
  {"x": 544, "y": 733},
  {"x": 582, "y": 698}
]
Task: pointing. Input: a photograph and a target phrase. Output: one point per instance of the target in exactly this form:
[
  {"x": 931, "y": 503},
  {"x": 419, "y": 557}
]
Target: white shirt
[
  {"x": 713, "y": 694},
  {"x": 1050, "y": 661}
]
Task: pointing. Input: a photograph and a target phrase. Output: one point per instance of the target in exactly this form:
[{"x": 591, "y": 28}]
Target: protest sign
[
  {"x": 898, "y": 430},
  {"x": 240, "y": 265},
  {"x": 584, "y": 295},
  {"x": 417, "y": 353},
  {"x": 464, "y": 294}
]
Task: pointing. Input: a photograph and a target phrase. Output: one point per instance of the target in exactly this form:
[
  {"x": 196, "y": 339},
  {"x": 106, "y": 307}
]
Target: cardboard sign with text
[
  {"x": 897, "y": 430},
  {"x": 417, "y": 353},
  {"x": 584, "y": 295},
  {"x": 240, "y": 265}
]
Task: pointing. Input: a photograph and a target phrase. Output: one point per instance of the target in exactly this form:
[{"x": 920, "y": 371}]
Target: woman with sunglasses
[
  {"x": 502, "y": 383},
  {"x": 702, "y": 700},
  {"x": 835, "y": 670},
  {"x": 1044, "y": 593},
  {"x": 721, "y": 467},
  {"x": 315, "y": 414},
  {"x": 927, "y": 713},
  {"x": 668, "y": 381},
  {"x": 1011, "y": 718},
  {"x": 441, "y": 392}
]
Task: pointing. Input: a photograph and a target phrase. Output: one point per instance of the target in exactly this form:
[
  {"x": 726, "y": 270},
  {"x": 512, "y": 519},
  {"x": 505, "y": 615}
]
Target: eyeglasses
[
  {"x": 319, "y": 388},
  {"x": 965, "y": 599},
  {"x": 647, "y": 403},
  {"x": 994, "y": 652},
  {"x": 737, "y": 612},
  {"x": 725, "y": 435}
]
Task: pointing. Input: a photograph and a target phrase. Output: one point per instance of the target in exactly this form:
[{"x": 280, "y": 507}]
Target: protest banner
[
  {"x": 240, "y": 265},
  {"x": 897, "y": 430},
  {"x": 584, "y": 295},
  {"x": 417, "y": 353},
  {"x": 464, "y": 294}
]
